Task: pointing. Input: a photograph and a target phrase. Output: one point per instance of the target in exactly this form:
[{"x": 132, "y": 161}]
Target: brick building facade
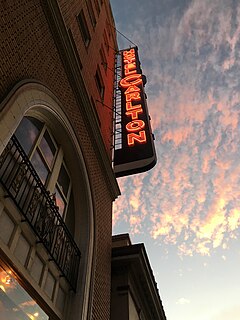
[{"x": 57, "y": 183}]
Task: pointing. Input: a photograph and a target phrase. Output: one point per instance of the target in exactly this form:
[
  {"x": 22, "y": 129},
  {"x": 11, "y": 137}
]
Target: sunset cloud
[
  {"x": 229, "y": 313},
  {"x": 183, "y": 301},
  {"x": 191, "y": 198}
]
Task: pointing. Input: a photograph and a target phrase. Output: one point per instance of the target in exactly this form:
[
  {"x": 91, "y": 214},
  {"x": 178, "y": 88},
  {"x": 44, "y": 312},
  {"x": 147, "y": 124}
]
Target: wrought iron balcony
[{"x": 25, "y": 188}]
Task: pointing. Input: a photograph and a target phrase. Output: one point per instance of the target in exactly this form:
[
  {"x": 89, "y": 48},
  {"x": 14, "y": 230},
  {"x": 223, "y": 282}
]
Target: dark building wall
[
  {"x": 134, "y": 292},
  {"x": 120, "y": 295},
  {"x": 28, "y": 50}
]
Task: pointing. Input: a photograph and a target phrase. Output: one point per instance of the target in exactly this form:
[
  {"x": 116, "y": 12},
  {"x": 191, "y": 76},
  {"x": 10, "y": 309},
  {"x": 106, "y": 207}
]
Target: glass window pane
[
  {"x": 84, "y": 28},
  {"x": 15, "y": 302},
  {"x": 69, "y": 216},
  {"x": 97, "y": 6},
  {"x": 63, "y": 180},
  {"x": 40, "y": 166},
  {"x": 91, "y": 12},
  {"x": 99, "y": 83},
  {"x": 48, "y": 148},
  {"x": 60, "y": 202},
  {"x": 27, "y": 132}
]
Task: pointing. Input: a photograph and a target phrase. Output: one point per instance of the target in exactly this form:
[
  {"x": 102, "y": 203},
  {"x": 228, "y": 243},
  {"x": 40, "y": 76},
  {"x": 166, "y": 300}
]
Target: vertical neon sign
[
  {"x": 132, "y": 85},
  {"x": 138, "y": 152}
]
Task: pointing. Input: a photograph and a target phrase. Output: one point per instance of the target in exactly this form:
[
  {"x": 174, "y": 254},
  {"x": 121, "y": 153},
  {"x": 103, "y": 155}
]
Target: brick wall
[
  {"x": 90, "y": 56},
  {"x": 28, "y": 51}
]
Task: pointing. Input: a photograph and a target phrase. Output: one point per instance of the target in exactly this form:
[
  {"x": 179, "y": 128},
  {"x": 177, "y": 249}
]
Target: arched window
[
  {"x": 47, "y": 158},
  {"x": 37, "y": 123}
]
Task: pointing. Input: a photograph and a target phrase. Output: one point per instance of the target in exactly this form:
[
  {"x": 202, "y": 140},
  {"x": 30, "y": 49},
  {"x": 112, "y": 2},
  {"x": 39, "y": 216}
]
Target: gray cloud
[{"x": 190, "y": 56}]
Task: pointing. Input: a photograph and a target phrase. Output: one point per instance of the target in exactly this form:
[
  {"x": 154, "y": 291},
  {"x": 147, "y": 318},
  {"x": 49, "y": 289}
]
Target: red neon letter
[
  {"x": 134, "y": 113},
  {"x": 140, "y": 138},
  {"x": 127, "y": 72},
  {"x": 131, "y": 80},
  {"x": 131, "y": 51},
  {"x": 135, "y": 96},
  {"x": 129, "y": 59},
  {"x": 130, "y": 107},
  {"x": 135, "y": 125},
  {"x": 130, "y": 66},
  {"x": 132, "y": 89}
]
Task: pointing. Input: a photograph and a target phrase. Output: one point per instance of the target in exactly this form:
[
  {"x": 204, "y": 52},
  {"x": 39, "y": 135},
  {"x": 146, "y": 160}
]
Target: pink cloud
[
  {"x": 227, "y": 313},
  {"x": 177, "y": 135},
  {"x": 191, "y": 197}
]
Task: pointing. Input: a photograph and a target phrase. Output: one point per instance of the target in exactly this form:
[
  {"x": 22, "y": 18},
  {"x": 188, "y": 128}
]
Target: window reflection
[
  {"x": 48, "y": 148},
  {"x": 27, "y": 132},
  {"x": 47, "y": 159},
  {"x": 15, "y": 302},
  {"x": 61, "y": 190},
  {"x": 40, "y": 166},
  {"x": 63, "y": 180},
  {"x": 60, "y": 202}
]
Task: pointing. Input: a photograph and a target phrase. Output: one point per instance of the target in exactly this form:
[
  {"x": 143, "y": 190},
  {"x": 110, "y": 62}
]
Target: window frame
[
  {"x": 97, "y": 6},
  {"x": 91, "y": 13},
  {"x": 84, "y": 30},
  {"x": 103, "y": 58},
  {"x": 106, "y": 42},
  {"x": 66, "y": 198},
  {"x": 99, "y": 83},
  {"x": 51, "y": 182}
]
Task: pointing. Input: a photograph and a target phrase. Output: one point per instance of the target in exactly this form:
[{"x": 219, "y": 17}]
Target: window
[
  {"x": 47, "y": 159},
  {"x": 62, "y": 189},
  {"x": 99, "y": 83},
  {"x": 91, "y": 13},
  {"x": 84, "y": 28},
  {"x": 109, "y": 27},
  {"x": 97, "y": 6},
  {"x": 103, "y": 58},
  {"x": 15, "y": 302},
  {"x": 38, "y": 145},
  {"x": 106, "y": 40}
]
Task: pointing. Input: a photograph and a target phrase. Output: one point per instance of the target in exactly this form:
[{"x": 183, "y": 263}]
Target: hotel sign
[{"x": 137, "y": 152}]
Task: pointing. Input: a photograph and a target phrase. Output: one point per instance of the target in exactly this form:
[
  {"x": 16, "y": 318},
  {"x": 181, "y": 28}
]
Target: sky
[{"x": 186, "y": 210}]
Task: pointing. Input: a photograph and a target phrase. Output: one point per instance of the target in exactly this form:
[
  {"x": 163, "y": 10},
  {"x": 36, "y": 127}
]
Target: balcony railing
[{"x": 25, "y": 188}]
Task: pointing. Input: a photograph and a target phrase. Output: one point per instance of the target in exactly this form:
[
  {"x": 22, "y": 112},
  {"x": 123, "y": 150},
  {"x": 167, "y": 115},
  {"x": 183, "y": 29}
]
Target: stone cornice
[{"x": 72, "y": 69}]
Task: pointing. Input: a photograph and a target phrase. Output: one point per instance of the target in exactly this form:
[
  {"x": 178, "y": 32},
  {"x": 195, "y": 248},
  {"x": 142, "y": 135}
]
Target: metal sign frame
[{"x": 134, "y": 150}]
